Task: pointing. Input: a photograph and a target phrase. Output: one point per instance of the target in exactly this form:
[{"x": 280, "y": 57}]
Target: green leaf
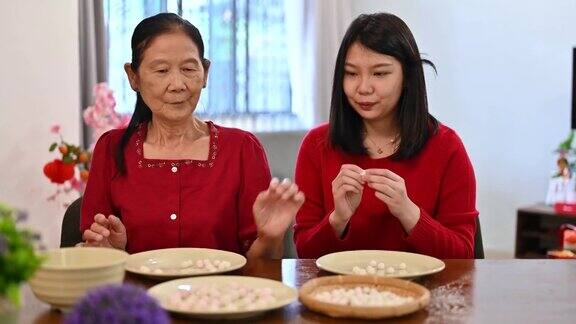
[
  {"x": 67, "y": 159},
  {"x": 20, "y": 261},
  {"x": 5, "y": 210},
  {"x": 53, "y": 146},
  {"x": 566, "y": 145},
  {"x": 13, "y": 294}
]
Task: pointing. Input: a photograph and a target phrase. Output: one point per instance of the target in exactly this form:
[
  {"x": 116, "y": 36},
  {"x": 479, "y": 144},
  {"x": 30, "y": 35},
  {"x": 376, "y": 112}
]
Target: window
[{"x": 248, "y": 84}]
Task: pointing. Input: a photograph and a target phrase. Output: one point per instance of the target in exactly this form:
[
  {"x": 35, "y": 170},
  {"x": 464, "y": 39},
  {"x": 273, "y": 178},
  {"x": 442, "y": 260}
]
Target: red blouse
[
  {"x": 440, "y": 180},
  {"x": 180, "y": 203}
]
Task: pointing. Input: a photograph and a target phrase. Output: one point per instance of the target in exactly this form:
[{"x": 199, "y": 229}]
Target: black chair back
[
  {"x": 478, "y": 246},
  {"x": 71, "y": 225}
]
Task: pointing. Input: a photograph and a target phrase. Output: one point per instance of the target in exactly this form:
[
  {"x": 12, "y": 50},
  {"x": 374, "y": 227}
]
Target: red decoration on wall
[{"x": 58, "y": 171}]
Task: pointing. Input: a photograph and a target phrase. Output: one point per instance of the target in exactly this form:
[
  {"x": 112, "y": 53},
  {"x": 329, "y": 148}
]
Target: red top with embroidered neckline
[{"x": 180, "y": 203}]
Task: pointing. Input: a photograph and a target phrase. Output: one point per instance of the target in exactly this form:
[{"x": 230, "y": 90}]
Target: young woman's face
[
  {"x": 373, "y": 82},
  {"x": 170, "y": 77}
]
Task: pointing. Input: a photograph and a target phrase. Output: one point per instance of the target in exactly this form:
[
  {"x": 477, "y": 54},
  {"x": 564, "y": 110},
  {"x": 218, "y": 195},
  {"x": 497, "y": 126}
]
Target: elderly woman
[{"x": 172, "y": 180}]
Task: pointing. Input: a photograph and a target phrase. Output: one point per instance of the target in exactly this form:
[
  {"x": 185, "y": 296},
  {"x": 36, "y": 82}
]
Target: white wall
[
  {"x": 38, "y": 88},
  {"x": 504, "y": 82}
]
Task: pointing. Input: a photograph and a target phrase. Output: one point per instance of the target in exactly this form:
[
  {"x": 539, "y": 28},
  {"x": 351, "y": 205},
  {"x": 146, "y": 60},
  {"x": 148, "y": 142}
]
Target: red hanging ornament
[{"x": 58, "y": 171}]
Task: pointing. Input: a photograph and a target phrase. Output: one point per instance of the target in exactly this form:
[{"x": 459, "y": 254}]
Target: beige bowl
[{"x": 68, "y": 273}]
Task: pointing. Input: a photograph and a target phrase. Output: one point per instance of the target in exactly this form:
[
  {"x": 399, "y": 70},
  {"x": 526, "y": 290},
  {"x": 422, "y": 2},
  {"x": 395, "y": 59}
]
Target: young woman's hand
[
  {"x": 106, "y": 232},
  {"x": 274, "y": 209},
  {"x": 391, "y": 189},
  {"x": 347, "y": 189}
]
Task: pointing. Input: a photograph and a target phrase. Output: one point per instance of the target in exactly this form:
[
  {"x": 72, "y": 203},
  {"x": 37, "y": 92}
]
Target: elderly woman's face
[{"x": 170, "y": 77}]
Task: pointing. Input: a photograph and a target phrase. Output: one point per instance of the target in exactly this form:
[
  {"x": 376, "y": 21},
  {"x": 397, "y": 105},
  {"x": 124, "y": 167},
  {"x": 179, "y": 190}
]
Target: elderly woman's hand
[
  {"x": 106, "y": 232},
  {"x": 275, "y": 209}
]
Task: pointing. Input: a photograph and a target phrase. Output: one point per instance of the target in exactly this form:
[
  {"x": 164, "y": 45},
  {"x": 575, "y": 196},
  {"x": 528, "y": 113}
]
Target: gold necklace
[{"x": 379, "y": 150}]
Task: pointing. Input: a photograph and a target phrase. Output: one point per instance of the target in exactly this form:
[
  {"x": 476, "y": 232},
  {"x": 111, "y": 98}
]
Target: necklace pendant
[{"x": 380, "y": 151}]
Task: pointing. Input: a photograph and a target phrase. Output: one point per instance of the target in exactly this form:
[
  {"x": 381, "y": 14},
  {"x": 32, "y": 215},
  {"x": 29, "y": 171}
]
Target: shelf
[{"x": 537, "y": 230}]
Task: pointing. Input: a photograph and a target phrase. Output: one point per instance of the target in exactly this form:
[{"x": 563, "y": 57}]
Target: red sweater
[
  {"x": 439, "y": 179},
  {"x": 180, "y": 203}
]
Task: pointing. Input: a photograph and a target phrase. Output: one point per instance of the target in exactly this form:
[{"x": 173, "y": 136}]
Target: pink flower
[
  {"x": 102, "y": 116},
  {"x": 77, "y": 185},
  {"x": 88, "y": 115},
  {"x": 55, "y": 129},
  {"x": 125, "y": 120}
]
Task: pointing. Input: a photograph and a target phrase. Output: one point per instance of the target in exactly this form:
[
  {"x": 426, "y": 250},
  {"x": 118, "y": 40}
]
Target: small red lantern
[{"x": 58, "y": 171}]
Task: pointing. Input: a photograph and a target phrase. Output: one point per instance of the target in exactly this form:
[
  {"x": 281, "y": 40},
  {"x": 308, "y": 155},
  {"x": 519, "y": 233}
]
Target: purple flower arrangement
[{"x": 117, "y": 304}]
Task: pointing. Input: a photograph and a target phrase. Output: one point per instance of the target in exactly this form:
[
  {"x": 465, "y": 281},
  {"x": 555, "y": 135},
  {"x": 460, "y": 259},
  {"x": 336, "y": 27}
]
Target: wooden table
[{"x": 470, "y": 291}]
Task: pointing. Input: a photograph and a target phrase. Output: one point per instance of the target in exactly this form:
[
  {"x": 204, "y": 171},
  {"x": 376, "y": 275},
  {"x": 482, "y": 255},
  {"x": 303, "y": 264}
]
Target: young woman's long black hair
[
  {"x": 386, "y": 34},
  {"x": 144, "y": 33}
]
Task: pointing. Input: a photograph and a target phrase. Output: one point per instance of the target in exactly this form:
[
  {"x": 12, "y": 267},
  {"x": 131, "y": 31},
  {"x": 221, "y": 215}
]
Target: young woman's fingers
[
  {"x": 384, "y": 189},
  {"x": 385, "y": 173},
  {"x": 396, "y": 185},
  {"x": 352, "y": 167},
  {"x": 358, "y": 175},
  {"x": 371, "y": 178},
  {"x": 383, "y": 197},
  {"x": 343, "y": 189},
  {"x": 351, "y": 181}
]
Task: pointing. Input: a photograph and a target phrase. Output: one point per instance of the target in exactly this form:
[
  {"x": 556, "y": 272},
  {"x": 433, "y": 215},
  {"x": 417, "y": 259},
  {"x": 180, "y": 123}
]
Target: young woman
[{"x": 384, "y": 173}]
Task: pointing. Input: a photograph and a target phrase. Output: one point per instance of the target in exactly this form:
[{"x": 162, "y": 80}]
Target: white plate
[
  {"x": 171, "y": 262},
  {"x": 416, "y": 264},
  {"x": 164, "y": 291}
]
